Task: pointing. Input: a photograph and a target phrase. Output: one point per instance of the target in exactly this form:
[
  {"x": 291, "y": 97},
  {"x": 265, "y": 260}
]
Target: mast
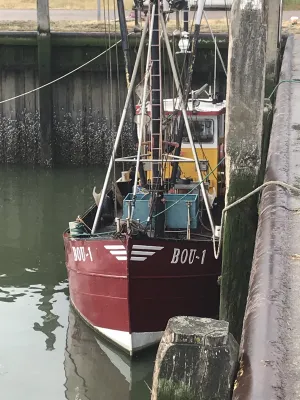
[
  {"x": 128, "y": 74},
  {"x": 186, "y": 17},
  {"x": 188, "y": 82},
  {"x": 156, "y": 125},
  {"x": 155, "y": 96}
]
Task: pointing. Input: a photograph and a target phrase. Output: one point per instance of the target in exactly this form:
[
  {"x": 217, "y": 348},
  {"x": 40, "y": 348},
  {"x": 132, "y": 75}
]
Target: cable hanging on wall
[{"x": 63, "y": 76}]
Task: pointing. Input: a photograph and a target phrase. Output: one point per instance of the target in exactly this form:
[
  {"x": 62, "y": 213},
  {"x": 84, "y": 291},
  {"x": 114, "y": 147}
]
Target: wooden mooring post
[
  {"x": 196, "y": 359},
  {"x": 243, "y": 138},
  {"x": 273, "y": 43},
  {"x": 44, "y": 73}
]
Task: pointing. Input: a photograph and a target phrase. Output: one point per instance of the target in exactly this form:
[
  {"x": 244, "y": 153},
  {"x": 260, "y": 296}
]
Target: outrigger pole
[
  {"x": 184, "y": 113},
  {"x": 122, "y": 120},
  {"x": 128, "y": 73},
  {"x": 188, "y": 83}
]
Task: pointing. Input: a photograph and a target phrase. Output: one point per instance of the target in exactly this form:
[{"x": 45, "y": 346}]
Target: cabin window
[{"x": 202, "y": 130}]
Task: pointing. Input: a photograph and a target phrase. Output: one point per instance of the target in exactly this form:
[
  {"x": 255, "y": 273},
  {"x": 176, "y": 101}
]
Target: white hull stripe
[
  {"x": 142, "y": 253},
  {"x": 118, "y": 252},
  {"x": 114, "y": 247},
  {"x": 145, "y": 247},
  {"x": 139, "y": 252}
]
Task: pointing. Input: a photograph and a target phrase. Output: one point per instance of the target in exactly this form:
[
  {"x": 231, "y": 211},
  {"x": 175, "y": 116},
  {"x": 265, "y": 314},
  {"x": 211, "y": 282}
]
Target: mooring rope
[
  {"x": 63, "y": 76},
  {"x": 217, "y": 249},
  {"x": 186, "y": 194},
  {"x": 283, "y": 81}
]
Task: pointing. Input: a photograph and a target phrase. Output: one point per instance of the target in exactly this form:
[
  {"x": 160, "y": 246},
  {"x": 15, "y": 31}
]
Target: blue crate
[
  {"x": 176, "y": 216},
  {"x": 141, "y": 209}
]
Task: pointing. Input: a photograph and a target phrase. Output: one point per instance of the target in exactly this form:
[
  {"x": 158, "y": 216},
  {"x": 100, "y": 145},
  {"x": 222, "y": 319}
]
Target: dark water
[{"x": 46, "y": 352}]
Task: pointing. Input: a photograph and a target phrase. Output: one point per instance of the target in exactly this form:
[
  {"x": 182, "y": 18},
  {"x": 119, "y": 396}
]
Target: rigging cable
[
  {"x": 214, "y": 39},
  {"x": 108, "y": 62},
  {"x": 118, "y": 106},
  {"x": 148, "y": 220},
  {"x": 63, "y": 76},
  {"x": 118, "y": 81},
  {"x": 217, "y": 249}
]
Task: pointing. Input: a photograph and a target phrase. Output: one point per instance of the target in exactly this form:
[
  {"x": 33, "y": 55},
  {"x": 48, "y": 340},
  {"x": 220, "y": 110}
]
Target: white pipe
[
  {"x": 188, "y": 232},
  {"x": 184, "y": 113},
  {"x": 122, "y": 120},
  {"x": 215, "y": 68},
  {"x": 141, "y": 126}
]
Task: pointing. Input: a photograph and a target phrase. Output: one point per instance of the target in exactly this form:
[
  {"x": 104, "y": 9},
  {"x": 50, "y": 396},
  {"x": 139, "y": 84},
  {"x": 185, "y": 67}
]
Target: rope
[
  {"x": 195, "y": 187},
  {"x": 217, "y": 249},
  {"x": 79, "y": 219},
  {"x": 213, "y": 37},
  {"x": 62, "y": 77},
  {"x": 283, "y": 81}
]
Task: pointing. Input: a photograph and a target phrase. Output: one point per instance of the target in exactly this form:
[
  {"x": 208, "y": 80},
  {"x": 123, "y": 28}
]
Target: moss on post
[{"x": 196, "y": 359}]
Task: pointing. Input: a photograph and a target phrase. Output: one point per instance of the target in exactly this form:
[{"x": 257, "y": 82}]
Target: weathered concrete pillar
[
  {"x": 196, "y": 359},
  {"x": 45, "y": 95},
  {"x": 273, "y": 43},
  {"x": 243, "y": 140}
]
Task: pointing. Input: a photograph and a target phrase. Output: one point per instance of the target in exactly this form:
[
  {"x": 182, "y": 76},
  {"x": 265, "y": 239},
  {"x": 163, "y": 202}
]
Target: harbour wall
[{"x": 86, "y": 105}]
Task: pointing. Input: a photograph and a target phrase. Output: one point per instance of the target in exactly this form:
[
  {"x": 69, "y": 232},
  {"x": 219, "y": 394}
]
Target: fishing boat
[{"x": 145, "y": 251}]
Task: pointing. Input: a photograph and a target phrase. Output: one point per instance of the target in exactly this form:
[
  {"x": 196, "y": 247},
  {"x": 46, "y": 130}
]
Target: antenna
[{"x": 215, "y": 68}]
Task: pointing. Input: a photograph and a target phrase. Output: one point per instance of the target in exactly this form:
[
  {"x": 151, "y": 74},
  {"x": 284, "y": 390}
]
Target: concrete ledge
[
  {"x": 16, "y": 38},
  {"x": 270, "y": 346}
]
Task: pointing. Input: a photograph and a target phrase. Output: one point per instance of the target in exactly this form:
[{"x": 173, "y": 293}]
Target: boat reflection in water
[{"x": 96, "y": 370}]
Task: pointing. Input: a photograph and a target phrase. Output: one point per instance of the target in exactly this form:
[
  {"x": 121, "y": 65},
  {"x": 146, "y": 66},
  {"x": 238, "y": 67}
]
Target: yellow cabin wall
[{"x": 188, "y": 170}]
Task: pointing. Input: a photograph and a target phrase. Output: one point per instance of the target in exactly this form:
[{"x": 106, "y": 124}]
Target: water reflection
[
  {"x": 35, "y": 207},
  {"x": 50, "y": 320},
  {"x": 95, "y": 369}
]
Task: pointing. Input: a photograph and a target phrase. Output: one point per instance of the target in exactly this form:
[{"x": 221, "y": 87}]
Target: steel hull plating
[{"x": 128, "y": 290}]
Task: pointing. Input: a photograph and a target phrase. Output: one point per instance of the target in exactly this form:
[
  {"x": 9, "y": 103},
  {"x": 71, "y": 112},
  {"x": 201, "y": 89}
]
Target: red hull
[{"x": 136, "y": 286}]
